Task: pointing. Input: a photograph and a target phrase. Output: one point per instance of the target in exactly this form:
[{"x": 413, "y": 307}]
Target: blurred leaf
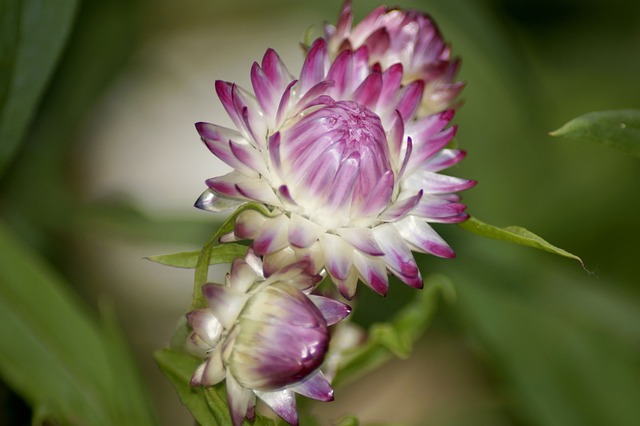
[
  {"x": 619, "y": 129},
  {"x": 514, "y": 234},
  {"x": 33, "y": 35},
  {"x": 129, "y": 394},
  {"x": 124, "y": 218},
  {"x": 53, "y": 353},
  {"x": 223, "y": 253},
  {"x": 347, "y": 421},
  {"x": 561, "y": 360},
  {"x": 397, "y": 336}
]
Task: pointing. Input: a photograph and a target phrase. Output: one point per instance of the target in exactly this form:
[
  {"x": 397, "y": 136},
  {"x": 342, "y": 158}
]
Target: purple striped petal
[
  {"x": 368, "y": 92},
  {"x": 206, "y": 326},
  {"x": 347, "y": 286},
  {"x": 423, "y": 238},
  {"x": 268, "y": 98},
  {"x": 378, "y": 42},
  {"x": 285, "y": 103},
  {"x": 373, "y": 272},
  {"x": 401, "y": 208},
  {"x": 445, "y": 159},
  {"x": 434, "y": 183},
  {"x": 275, "y": 70},
  {"x": 341, "y": 70},
  {"x": 272, "y": 236},
  {"x": 332, "y": 310},
  {"x": 245, "y": 272},
  {"x": 238, "y": 398},
  {"x": 258, "y": 190},
  {"x": 248, "y": 224},
  {"x": 341, "y": 191},
  {"x": 313, "y": 69},
  {"x": 379, "y": 197},
  {"x": 391, "y": 80},
  {"x": 224, "y": 302},
  {"x": 283, "y": 403},
  {"x": 316, "y": 386},
  {"x": 211, "y": 372},
  {"x": 210, "y": 201},
  {"x": 218, "y": 139},
  {"x": 250, "y": 157},
  {"x": 435, "y": 207},
  {"x": 226, "y": 185},
  {"x": 303, "y": 232},
  {"x": 338, "y": 255},
  {"x": 396, "y": 138},
  {"x": 426, "y": 149},
  {"x": 424, "y": 128},
  {"x": 362, "y": 239},
  {"x": 397, "y": 256},
  {"x": 410, "y": 99},
  {"x": 224, "y": 90}
]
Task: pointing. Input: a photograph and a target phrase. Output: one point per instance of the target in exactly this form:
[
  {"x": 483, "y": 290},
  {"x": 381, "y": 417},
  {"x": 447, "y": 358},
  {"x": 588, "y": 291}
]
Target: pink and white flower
[
  {"x": 350, "y": 175},
  {"x": 266, "y": 337},
  {"x": 407, "y": 37}
]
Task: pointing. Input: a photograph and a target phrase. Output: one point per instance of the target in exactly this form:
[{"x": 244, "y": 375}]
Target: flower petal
[
  {"x": 225, "y": 303},
  {"x": 316, "y": 386},
  {"x": 238, "y": 398},
  {"x": 303, "y": 232},
  {"x": 332, "y": 310},
  {"x": 373, "y": 272},
  {"x": 338, "y": 255},
  {"x": 272, "y": 236},
  {"x": 401, "y": 208},
  {"x": 362, "y": 239},
  {"x": 313, "y": 69},
  {"x": 397, "y": 256},
  {"x": 445, "y": 159},
  {"x": 212, "y": 202},
  {"x": 206, "y": 325},
  {"x": 283, "y": 403},
  {"x": 423, "y": 238}
]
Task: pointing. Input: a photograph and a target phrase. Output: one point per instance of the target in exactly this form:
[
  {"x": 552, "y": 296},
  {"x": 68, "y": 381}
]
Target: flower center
[{"x": 333, "y": 156}]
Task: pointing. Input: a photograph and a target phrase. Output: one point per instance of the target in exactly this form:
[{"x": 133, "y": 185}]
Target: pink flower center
[{"x": 333, "y": 156}]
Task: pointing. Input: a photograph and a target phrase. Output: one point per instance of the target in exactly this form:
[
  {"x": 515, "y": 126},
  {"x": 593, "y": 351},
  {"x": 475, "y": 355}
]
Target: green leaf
[
  {"x": 397, "y": 336},
  {"x": 514, "y": 234},
  {"x": 178, "y": 368},
  {"x": 208, "y": 405},
  {"x": 33, "y": 35},
  {"x": 619, "y": 129},
  {"x": 223, "y": 253},
  {"x": 53, "y": 352}
]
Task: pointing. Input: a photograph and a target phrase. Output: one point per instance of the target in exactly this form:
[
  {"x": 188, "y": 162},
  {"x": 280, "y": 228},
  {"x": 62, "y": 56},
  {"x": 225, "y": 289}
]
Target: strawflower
[
  {"x": 266, "y": 337},
  {"x": 349, "y": 173},
  {"x": 408, "y": 37}
]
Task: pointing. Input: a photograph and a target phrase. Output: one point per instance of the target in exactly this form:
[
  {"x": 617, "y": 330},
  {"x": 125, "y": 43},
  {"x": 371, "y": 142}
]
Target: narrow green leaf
[
  {"x": 33, "y": 35},
  {"x": 514, "y": 234},
  {"x": 53, "y": 353},
  {"x": 397, "y": 336},
  {"x": 208, "y": 405},
  {"x": 178, "y": 368},
  {"x": 126, "y": 381},
  {"x": 223, "y": 253},
  {"x": 619, "y": 129}
]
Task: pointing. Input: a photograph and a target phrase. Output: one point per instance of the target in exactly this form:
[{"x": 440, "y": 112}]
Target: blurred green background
[{"x": 100, "y": 165}]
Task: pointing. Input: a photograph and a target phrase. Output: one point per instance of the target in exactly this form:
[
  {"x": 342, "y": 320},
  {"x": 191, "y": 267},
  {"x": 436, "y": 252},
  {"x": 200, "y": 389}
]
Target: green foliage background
[{"x": 558, "y": 344}]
